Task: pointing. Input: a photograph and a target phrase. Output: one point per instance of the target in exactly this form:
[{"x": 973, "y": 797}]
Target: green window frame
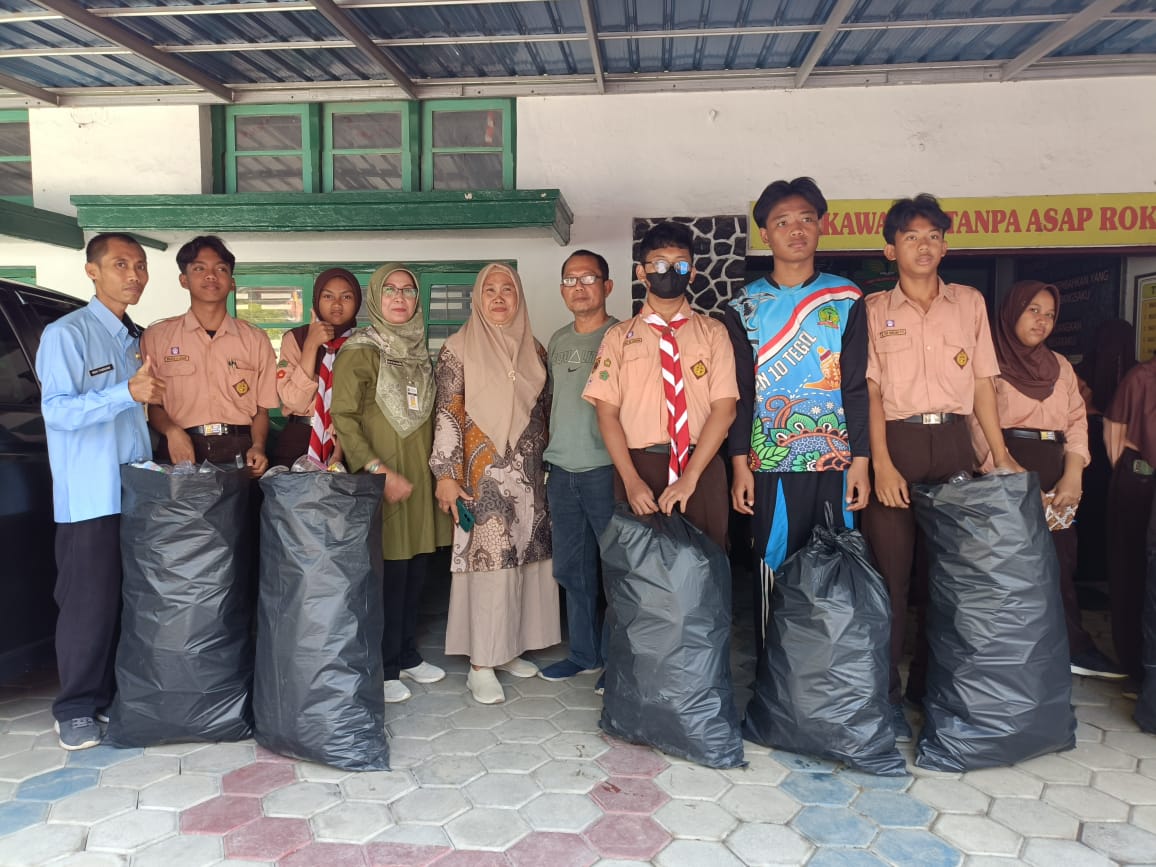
[
  {"x": 19, "y": 274},
  {"x": 431, "y": 151},
  {"x": 308, "y": 152},
  {"x": 17, "y": 116},
  {"x": 408, "y": 150}
]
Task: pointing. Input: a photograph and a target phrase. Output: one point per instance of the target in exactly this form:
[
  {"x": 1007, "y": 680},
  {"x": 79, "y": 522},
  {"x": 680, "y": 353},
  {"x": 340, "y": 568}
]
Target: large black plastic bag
[
  {"x": 317, "y": 692},
  {"x": 184, "y": 665},
  {"x": 668, "y": 678},
  {"x": 1145, "y": 713},
  {"x": 822, "y": 685},
  {"x": 998, "y": 684}
]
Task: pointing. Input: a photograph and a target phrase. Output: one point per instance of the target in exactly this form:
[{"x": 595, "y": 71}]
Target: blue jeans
[{"x": 580, "y": 508}]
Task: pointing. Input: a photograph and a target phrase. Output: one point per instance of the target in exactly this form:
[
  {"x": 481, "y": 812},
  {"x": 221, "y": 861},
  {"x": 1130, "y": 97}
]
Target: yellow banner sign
[{"x": 1016, "y": 222}]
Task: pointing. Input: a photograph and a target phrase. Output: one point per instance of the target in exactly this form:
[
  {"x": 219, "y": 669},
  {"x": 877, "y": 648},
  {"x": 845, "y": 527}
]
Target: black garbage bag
[
  {"x": 668, "y": 677},
  {"x": 1145, "y": 713},
  {"x": 184, "y": 664},
  {"x": 317, "y": 691},
  {"x": 999, "y": 686},
  {"x": 822, "y": 684}
]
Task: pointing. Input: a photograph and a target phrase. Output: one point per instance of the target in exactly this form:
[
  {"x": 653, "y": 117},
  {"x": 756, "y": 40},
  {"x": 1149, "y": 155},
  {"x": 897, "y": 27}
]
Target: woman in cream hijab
[
  {"x": 489, "y": 435},
  {"x": 383, "y": 399}
]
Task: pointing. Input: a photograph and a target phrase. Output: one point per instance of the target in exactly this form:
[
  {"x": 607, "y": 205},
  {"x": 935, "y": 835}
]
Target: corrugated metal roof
[{"x": 102, "y": 51}]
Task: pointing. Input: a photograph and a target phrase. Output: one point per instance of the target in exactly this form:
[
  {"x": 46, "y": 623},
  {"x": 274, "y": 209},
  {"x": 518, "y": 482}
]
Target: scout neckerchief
[
  {"x": 672, "y": 386},
  {"x": 321, "y": 443}
]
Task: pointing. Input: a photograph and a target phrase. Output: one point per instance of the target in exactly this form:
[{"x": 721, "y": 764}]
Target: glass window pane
[
  {"x": 268, "y": 304},
  {"x": 15, "y": 179},
  {"x": 271, "y": 132},
  {"x": 17, "y": 384},
  {"x": 14, "y": 140},
  {"x": 366, "y": 172},
  {"x": 436, "y": 336},
  {"x": 459, "y": 129},
  {"x": 467, "y": 171},
  {"x": 275, "y": 336},
  {"x": 381, "y": 131},
  {"x": 270, "y": 175},
  {"x": 448, "y": 303}
]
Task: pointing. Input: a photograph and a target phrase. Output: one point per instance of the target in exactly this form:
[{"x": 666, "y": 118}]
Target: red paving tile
[
  {"x": 462, "y": 858},
  {"x": 556, "y": 850},
  {"x": 220, "y": 815},
  {"x": 629, "y": 795},
  {"x": 402, "y": 854},
  {"x": 625, "y": 836},
  {"x": 264, "y": 755},
  {"x": 632, "y": 761},
  {"x": 267, "y": 839},
  {"x": 259, "y": 778},
  {"x": 326, "y": 855}
]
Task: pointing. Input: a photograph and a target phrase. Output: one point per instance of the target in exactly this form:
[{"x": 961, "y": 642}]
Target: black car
[{"x": 27, "y": 529}]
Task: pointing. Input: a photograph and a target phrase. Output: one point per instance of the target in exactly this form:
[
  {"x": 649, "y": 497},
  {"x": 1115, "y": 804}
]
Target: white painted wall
[{"x": 618, "y": 157}]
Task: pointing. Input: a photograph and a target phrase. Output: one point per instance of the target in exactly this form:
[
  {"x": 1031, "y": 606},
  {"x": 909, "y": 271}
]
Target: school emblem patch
[
  {"x": 961, "y": 358},
  {"x": 698, "y": 369},
  {"x": 604, "y": 375},
  {"x": 242, "y": 388}
]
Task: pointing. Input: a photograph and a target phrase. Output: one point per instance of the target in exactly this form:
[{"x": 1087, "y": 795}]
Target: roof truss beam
[
  {"x": 823, "y": 40},
  {"x": 117, "y": 34},
  {"x": 21, "y": 86},
  {"x": 366, "y": 45},
  {"x": 1057, "y": 35},
  {"x": 592, "y": 41}
]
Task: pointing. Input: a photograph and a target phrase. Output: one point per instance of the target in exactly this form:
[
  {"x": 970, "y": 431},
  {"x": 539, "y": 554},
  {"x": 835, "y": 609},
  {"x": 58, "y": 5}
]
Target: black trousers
[
  {"x": 404, "y": 580},
  {"x": 1130, "y": 497},
  {"x": 709, "y": 506},
  {"x": 88, "y": 578}
]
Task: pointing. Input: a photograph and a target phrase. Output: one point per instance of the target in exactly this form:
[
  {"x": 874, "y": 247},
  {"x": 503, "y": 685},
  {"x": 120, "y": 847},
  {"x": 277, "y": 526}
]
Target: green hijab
[{"x": 405, "y": 383}]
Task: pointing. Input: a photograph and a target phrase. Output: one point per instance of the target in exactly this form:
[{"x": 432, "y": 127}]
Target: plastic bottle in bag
[{"x": 184, "y": 468}]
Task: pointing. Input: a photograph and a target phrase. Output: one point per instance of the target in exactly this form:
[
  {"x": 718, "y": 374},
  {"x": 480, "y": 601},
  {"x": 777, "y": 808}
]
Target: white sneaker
[
  {"x": 424, "y": 672},
  {"x": 518, "y": 667},
  {"x": 484, "y": 686},
  {"x": 396, "y": 691}
]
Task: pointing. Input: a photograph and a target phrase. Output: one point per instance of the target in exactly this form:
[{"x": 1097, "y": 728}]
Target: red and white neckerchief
[
  {"x": 321, "y": 436},
  {"x": 672, "y": 386}
]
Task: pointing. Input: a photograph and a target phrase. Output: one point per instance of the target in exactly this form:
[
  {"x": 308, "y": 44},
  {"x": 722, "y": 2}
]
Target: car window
[
  {"x": 18, "y": 385},
  {"x": 47, "y": 309}
]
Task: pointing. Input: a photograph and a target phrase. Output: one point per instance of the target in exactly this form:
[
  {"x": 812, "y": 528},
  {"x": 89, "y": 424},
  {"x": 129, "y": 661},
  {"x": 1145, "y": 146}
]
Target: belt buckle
[
  {"x": 933, "y": 418},
  {"x": 1048, "y": 435},
  {"x": 214, "y": 430}
]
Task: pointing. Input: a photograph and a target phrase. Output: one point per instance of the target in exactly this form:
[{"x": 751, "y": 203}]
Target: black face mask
[{"x": 669, "y": 285}]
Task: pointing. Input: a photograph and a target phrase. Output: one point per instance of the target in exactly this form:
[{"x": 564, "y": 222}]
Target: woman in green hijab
[{"x": 383, "y": 400}]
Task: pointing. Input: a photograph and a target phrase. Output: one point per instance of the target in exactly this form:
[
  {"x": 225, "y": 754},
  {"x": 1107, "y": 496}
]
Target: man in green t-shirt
[{"x": 580, "y": 486}]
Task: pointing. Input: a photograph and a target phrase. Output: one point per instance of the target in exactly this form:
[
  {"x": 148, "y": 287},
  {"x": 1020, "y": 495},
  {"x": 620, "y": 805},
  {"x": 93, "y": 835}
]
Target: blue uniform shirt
[{"x": 84, "y": 363}]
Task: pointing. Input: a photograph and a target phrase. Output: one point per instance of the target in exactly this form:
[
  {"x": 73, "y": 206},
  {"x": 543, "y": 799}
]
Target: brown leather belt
[
  {"x": 1027, "y": 433},
  {"x": 306, "y": 420},
  {"x": 219, "y": 430},
  {"x": 933, "y": 418}
]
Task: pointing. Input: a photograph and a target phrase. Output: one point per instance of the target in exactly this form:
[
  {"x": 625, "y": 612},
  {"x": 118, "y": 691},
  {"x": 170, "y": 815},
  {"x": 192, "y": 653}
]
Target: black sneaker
[
  {"x": 1092, "y": 663},
  {"x": 80, "y": 733},
  {"x": 899, "y": 724}
]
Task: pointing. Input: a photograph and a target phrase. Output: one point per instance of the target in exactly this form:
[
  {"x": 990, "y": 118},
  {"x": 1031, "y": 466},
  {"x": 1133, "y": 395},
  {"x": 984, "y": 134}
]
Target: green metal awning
[
  {"x": 524, "y": 211},
  {"x": 48, "y": 227}
]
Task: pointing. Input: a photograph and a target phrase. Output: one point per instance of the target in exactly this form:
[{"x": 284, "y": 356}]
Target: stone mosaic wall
[{"x": 720, "y": 249}]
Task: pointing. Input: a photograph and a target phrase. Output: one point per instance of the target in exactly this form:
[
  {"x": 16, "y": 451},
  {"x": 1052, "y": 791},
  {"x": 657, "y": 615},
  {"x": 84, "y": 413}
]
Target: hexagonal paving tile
[
  {"x": 534, "y": 708},
  {"x": 807, "y": 764},
  {"x": 696, "y": 853},
  {"x": 761, "y": 769},
  {"x": 629, "y": 795},
  {"x": 258, "y": 778},
  {"x": 16, "y": 815},
  {"x": 685, "y": 780},
  {"x": 418, "y": 726},
  {"x": 218, "y": 758},
  {"x": 407, "y": 854},
  {"x": 129, "y": 831},
  {"x": 626, "y": 836},
  {"x": 568, "y": 776},
  {"x": 1099, "y": 757},
  {"x": 1056, "y": 769},
  {"x": 1132, "y": 788},
  {"x": 628, "y": 760},
  {"x": 90, "y": 806},
  {"x": 328, "y": 854},
  {"x": 453, "y": 771},
  {"x": 220, "y": 815},
  {"x": 576, "y": 720},
  {"x": 818, "y": 789},
  {"x": 873, "y": 781},
  {"x": 478, "y": 717},
  {"x": 570, "y": 745},
  {"x": 950, "y": 796},
  {"x": 351, "y": 822},
  {"x": 408, "y": 752},
  {"x": 1088, "y": 733},
  {"x": 267, "y": 839},
  {"x": 487, "y": 828},
  {"x": 1087, "y": 803},
  {"x": 140, "y": 772},
  {"x": 560, "y": 812},
  {"x": 184, "y": 851},
  {"x": 301, "y": 800},
  {"x": 41, "y": 844},
  {"x": 430, "y": 806},
  {"x": 1145, "y": 817},
  {"x": 894, "y": 809},
  {"x": 851, "y": 858},
  {"x": 1063, "y": 853},
  {"x": 834, "y": 826},
  {"x": 1120, "y": 842},
  {"x": 179, "y": 793},
  {"x": 693, "y": 819},
  {"x": 90, "y": 859},
  {"x": 57, "y": 784},
  {"x": 757, "y": 843},
  {"x": 978, "y": 835},
  {"x": 525, "y": 731},
  {"x": 383, "y": 786},
  {"x": 1034, "y": 819},
  {"x": 22, "y": 766},
  {"x": 762, "y": 804},
  {"x": 1109, "y": 718},
  {"x": 1005, "y": 782},
  {"x": 556, "y": 850},
  {"x": 514, "y": 758},
  {"x": 503, "y": 790},
  {"x": 102, "y": 756},
  {"x": 916, "y": 847},
  {"x": 468, "y": 742},
  {"x": 439, "y": 704}
]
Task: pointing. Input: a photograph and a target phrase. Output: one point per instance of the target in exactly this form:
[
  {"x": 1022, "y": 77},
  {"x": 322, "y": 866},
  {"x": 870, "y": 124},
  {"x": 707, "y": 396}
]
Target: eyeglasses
[
  {"x": 585, "y": 280},
  {"x": 404, "y": 291},
  {"x": 681, "y": 267}
]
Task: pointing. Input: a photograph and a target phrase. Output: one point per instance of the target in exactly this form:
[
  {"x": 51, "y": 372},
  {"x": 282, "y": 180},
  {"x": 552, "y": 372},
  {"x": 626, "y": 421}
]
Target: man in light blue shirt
[{"x": 93, "y": 386}]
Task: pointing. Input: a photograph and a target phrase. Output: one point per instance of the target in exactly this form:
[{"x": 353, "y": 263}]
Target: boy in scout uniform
[
  {"x": 219, "y": 372},
  {"x": 663, "y": 388},
  {"x": 930, "y": 364}
]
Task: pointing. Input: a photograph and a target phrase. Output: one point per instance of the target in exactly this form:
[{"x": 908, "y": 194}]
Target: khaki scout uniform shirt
[
  {"x": 928, "y": 362},
  {"x": 628, "y": 374},
  {"x": 225, "y": 378},
  {"x": 297, "y": 391}
]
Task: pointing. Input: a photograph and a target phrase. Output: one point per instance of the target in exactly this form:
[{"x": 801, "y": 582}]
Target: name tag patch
[
  {"x": 97, "y": 371},
  {"x": 176, "y": 358},
  {"x": 893, "y": 332},
  {"x": 633, "y": 340}
]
